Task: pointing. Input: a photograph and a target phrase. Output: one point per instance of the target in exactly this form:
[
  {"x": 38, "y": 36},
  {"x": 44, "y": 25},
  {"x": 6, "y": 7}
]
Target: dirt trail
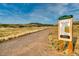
[{"x": 32, "y": 44}]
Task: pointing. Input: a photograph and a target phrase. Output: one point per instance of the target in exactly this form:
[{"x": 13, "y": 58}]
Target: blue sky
[{"x": 23, "y": 13}]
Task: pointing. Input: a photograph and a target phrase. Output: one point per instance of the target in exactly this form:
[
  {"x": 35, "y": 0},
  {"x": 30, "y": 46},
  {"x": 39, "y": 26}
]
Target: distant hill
[
  {"x": 39, "y": 24},
  {"x": 25, "y": 25},
  {"x": 31, "y": 25}
]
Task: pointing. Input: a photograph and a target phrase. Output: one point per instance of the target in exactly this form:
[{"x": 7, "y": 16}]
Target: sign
[{"x": 65, "y": 29}]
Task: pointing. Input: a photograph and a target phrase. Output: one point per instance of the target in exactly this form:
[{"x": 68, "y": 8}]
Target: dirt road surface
[{"x": 34, "y": 44}]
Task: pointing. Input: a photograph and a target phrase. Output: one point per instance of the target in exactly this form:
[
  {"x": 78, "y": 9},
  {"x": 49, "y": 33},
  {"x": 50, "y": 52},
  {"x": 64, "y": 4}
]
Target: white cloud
[
  {"x": 39, "y": 16},
  {"x": 59, "y": 9}
]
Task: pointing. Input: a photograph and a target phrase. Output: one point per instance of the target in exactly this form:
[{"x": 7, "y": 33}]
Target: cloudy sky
[{"x": 41, "y": 13}]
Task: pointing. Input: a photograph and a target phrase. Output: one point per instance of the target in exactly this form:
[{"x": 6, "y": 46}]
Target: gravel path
[{"x": 31, "y": 44}]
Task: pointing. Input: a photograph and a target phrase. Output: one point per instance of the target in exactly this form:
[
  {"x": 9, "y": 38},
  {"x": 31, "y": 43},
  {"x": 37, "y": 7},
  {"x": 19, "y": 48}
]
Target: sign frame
[{"x": 70, "y": 29}]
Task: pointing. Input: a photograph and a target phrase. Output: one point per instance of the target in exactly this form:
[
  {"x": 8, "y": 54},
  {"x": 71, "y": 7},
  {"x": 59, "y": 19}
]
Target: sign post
[{"x": 65, "y": 31}]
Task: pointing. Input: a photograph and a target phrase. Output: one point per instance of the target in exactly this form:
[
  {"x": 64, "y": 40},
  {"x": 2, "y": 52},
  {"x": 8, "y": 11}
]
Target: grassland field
[{"x": 8, "y": 33}]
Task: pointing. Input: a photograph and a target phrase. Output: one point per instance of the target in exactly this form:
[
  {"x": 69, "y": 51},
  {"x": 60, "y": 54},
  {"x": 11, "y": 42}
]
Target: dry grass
[
  {"x": 56, "y": 44},
  {"x": 8, "y": 33}
]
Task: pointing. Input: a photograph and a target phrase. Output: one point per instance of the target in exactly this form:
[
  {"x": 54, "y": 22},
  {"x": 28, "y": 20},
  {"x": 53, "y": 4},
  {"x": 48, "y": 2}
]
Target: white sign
[{"x": 65, "y": 29}]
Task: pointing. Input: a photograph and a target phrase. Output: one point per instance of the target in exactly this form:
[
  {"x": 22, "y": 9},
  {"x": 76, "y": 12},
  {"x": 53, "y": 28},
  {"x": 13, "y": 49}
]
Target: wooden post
[{"x": 69, "y": 50}]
